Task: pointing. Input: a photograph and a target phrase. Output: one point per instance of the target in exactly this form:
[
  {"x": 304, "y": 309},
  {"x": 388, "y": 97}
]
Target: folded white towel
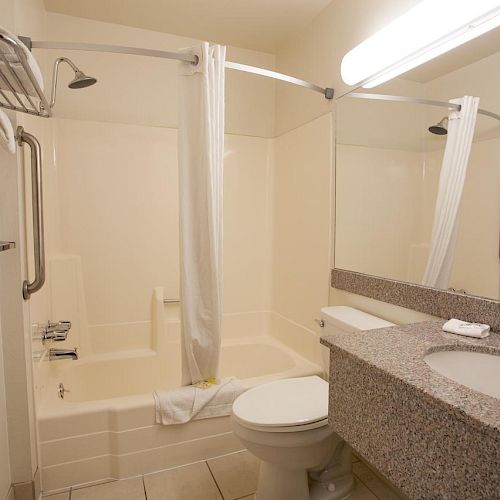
[
  {"x": 180, "y": 405},
  {"x": 7, "y": 138},
  {"x": 476, "y": 330},
  {"x": 16, "y": 65}
]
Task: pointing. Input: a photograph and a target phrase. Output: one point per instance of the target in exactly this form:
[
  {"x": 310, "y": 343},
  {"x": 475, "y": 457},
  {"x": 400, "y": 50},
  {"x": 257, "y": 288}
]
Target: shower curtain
[
  {"x": 201, "y": 149},
  {"x": 449, "y": 197}
]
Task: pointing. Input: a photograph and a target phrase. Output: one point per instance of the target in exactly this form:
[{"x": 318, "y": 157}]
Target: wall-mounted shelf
[
  {"x": 7, "y": 245},
  {"x": 19, "y": 87}
]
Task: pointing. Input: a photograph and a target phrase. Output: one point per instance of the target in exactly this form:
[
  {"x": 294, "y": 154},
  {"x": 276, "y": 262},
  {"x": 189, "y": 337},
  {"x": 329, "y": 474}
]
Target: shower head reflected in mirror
[
  {"x": 80, "y": 81},
  {"x": 440, "y": 128}
]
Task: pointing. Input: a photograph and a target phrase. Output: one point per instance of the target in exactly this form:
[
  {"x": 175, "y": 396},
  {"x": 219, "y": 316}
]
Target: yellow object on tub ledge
[
  {"x": 204, "y": 384},
  {"x": 194, "y": 402}
]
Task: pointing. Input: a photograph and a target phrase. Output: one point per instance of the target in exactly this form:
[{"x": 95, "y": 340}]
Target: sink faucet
[{"x": 55, "y": 354}]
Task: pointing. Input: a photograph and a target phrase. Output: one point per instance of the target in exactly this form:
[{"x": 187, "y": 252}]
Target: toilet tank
[
  {"x": 345, "y": 319},
  {"x": 348, "y": 319}
]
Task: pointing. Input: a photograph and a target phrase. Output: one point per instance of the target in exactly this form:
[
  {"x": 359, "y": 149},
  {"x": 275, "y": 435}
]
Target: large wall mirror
[{"x": 389, "y": 176}]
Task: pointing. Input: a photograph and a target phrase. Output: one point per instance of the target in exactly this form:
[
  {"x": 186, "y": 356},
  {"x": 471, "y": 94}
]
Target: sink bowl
[{"x": 476, "y": 370}]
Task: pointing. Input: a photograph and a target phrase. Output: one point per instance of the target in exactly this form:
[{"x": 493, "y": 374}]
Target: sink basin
[{"x": 477, "y": 370}]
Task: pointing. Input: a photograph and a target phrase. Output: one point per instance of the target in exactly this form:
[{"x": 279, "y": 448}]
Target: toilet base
[
  {"x": 280, "y": 483},
  {"x": 338, "y": 489}
]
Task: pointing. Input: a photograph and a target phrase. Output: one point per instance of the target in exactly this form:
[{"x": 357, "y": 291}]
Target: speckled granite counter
[{"x": 432, "y": 437}]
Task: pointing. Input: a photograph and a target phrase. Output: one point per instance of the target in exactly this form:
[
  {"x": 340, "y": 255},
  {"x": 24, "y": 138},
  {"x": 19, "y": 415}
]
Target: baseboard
[
  {"x": 10, "y": 494},
  {"x": 24, "y": 491}
]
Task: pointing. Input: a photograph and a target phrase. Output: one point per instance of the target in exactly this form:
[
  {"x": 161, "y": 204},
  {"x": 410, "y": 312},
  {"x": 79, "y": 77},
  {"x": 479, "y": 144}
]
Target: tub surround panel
[
  {"x": 440, "y": 303},
  {"x": 429, "y": 435}
]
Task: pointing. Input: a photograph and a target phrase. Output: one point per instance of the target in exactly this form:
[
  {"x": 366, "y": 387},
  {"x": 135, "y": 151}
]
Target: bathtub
[{"x": 104, "y": 427}]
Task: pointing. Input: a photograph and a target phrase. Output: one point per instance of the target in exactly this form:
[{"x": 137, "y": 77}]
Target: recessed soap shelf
[{"x": 6, "y": 245}]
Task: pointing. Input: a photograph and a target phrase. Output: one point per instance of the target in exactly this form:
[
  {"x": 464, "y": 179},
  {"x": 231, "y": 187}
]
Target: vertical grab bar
[{"x": 37, "y": 207}]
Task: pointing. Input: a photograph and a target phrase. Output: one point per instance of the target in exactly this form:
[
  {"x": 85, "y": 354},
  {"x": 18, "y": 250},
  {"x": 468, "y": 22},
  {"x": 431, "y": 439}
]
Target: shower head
[
  {"x": 440, "y": 128},
  {"x": 81, "y": 80}
]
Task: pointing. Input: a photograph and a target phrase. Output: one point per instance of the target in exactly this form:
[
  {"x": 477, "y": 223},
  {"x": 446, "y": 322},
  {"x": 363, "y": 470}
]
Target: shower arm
[
  {"x": 180, "y": 56},
  {"x": 55, "y": 74}
]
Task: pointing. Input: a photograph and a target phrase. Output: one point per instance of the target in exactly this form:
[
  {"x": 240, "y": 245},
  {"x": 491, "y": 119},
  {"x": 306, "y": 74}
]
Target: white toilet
[{"x": 285, "y": 424}]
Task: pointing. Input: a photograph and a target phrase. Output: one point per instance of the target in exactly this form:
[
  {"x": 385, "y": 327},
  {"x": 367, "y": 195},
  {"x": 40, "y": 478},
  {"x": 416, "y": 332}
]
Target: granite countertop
[{"x": 399, "y": 352}]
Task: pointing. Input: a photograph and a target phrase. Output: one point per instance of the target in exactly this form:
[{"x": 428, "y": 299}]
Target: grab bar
[{"x": 37, "y": 208}]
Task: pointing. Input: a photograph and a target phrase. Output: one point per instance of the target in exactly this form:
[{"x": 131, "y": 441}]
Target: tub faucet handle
[
  {"x": 60, "y": 326},
  {"x": 57, "y": 332}
]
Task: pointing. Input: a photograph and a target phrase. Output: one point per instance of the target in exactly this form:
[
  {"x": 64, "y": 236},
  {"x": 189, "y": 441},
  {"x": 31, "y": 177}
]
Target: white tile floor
[{"x": 231, "y": 477}]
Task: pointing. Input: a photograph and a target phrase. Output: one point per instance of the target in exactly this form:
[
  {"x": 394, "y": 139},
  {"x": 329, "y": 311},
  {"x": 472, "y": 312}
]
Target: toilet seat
[{"x": 289, "y": 405}]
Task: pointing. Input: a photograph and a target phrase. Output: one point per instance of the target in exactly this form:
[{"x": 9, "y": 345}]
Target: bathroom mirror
[{"x": 389, "y": 160}]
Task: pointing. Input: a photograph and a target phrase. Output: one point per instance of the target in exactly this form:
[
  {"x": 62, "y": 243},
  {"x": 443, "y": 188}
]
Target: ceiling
[{"x": 253, "y": 24}]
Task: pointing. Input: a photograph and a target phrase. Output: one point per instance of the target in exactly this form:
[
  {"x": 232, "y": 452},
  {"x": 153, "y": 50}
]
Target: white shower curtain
[
  {"x": 201, "y": 150},
  {"x": 451, "y": 185}
]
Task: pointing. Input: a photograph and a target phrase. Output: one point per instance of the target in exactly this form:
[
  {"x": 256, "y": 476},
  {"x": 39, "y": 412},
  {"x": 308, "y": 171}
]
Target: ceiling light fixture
[{"x": 426, "y": 31}]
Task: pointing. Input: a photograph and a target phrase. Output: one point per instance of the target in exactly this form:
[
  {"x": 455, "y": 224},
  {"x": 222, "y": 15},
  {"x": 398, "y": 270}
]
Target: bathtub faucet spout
[{"x": 63, "y": 354}]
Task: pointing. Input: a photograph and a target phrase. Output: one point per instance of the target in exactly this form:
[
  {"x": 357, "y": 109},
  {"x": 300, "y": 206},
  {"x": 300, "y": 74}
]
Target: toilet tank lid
[{"x": 348, "y": 318}]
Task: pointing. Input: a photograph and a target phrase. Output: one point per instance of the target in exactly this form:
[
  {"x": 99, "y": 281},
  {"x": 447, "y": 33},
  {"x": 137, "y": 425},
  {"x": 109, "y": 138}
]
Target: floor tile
[
  {"x": 57, "y": 496},
  {"x": 377, "y": 486},
  {"x": 192, "y": 482},
  {"x": 235, "y": 474},
  {"x": 131, "y": 489},
  {"x": 361, "y": 492}
]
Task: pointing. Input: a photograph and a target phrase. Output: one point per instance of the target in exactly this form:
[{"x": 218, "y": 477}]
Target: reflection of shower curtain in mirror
[
  {"x": 451, "y": 186},
  {"x": 201, "y": 149}
]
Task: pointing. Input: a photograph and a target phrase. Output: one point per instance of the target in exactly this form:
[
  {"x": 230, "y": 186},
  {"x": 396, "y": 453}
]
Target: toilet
[{"x": 285, "y": 424}]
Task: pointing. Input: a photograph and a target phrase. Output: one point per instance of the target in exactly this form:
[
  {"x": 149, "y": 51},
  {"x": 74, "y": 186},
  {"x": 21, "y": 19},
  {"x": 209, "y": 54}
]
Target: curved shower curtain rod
[
  {"x": 117, "y": 49},
  {"x": 417, "y": 100}
]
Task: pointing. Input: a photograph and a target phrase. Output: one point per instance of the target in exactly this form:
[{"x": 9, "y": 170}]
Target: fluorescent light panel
[{"x": 426, "y": 31}]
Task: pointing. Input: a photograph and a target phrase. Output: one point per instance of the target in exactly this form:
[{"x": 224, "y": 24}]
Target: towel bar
[{"x": 171, "y": 301}]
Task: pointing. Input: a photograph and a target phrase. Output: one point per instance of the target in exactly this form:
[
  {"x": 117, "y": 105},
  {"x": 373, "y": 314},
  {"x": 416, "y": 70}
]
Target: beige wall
[
  {"x": 6, "y": 162},
  {"x": 111, "y": 176},
  {"x": 143, "y": 90},
  {"x": 301, "y": 231},
  {"x": 17, "y": 413},
  {"x": 119, "y": 197},
  {"x": 315, "y": 53},
  {"x": 5, "y": 474}
]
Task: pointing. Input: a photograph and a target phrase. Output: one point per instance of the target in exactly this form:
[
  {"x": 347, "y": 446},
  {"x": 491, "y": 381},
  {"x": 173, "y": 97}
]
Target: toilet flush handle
[{"x": 320, "y": 322}]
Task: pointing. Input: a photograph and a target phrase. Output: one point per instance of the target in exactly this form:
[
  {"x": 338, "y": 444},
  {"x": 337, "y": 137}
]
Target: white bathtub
[{"x": 104, "y": 427}]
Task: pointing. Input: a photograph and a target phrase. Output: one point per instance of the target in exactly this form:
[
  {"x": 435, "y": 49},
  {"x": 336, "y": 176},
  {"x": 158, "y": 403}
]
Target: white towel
[
  {"x": 475, "y": 330},
  {"x": 16, "y": 65},
  {"x": 180, "y": 405},
  {"x": 7, "y": 138}
]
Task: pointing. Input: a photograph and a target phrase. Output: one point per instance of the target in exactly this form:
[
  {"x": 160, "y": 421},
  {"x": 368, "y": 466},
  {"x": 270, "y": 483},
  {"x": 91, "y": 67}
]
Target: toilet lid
[{"x": 284, "y": 403}]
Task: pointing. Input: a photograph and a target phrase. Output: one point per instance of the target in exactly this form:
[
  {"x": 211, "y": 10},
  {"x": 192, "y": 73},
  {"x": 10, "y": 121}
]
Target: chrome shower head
[
  {"x": 81, "y": 80},
  {"x": 440, "y": 128}
]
